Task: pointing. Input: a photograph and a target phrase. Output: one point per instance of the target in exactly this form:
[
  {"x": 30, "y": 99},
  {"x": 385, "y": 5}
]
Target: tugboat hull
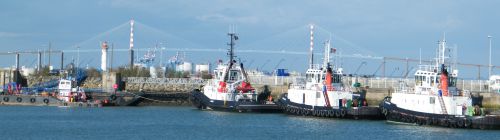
[
  {"x": 32, "y": 100},
  {"x": 365, "y": 112},
  {"x": 119, "y": 99},
  {"x": 202, "y": 102},
  {"x": 122, "y": 99},
  {"x": 393, "y": 113}
]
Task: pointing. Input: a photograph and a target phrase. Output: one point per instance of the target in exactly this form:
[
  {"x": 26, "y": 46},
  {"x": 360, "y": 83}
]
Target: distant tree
[
  {"x": 171, "y": 73},
  {"x": 134, "y": 72},
  {"x": 206, "y": 75},
  {"x": 44, "y": 71}
]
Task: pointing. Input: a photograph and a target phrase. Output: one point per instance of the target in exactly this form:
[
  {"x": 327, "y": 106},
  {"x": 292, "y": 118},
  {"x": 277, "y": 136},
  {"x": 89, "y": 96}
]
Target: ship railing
[
  {"x": 466, "y": 93},
  {"x": 404, "y": 87},
  {"x": 298, "y": 86},
  {"x": 427, "y": 67},
  {"x": 315, "y": 66},
  {"x": 275, "y": 80},
  {"x": 373, "y": 82}
]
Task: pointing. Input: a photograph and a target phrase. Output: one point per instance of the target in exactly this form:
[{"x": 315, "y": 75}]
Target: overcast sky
[{"x": 392, "y": 28}]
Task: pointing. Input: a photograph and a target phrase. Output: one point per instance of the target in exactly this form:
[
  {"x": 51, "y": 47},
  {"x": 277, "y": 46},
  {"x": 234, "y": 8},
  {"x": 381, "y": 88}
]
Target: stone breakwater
[
  {"x": 39, "y": 79},
  {"x": 92, "y": 82},
  {"x": 184, "y": 85},
  {"x": 149, "y": 87},
  {"x": 180, "y": 85},
  {"x": 162, "y": 84}
]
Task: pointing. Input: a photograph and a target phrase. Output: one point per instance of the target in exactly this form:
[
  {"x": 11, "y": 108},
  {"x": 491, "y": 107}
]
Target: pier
[{"x": 174, "y": 91}]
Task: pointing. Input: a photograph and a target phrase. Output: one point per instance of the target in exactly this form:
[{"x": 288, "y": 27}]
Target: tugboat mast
[
  {"x": 440, "y": 56},
  {"x": 326, "y": 61},
  {"x": 311, "y": 59},
  {"x": 442, "y": 49},
  {"x": 231, "y": 46}
]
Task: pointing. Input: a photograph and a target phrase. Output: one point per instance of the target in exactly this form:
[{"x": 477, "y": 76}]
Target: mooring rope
[{"x": 149, "y": 98}]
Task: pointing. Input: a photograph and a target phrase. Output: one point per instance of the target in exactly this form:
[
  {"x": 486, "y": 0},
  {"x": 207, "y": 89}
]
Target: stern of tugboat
[
  {"x": 384, "y": 107},
  {"x": 196, "y": 99}
]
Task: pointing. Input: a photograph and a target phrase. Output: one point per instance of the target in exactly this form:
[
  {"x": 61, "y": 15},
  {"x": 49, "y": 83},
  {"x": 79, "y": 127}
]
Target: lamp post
[
  {"x": 111, "y": 61},
  {"x": 161, "y": 53},
  {"x": 489, "y": 65},
  {"x": 78, "y": 56}
]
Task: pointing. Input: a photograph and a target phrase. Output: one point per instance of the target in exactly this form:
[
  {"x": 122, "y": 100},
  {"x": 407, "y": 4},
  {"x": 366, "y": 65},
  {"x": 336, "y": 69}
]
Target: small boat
[
  {"x": 69, "y": 95},
  {"x": 230, "y": 89},
  {"x": 435, "y": 99},
  {"x": 324, "y": 95}
]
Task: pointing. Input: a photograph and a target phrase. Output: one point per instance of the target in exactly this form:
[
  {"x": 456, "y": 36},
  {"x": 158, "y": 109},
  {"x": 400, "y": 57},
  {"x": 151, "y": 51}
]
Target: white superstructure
[
  {"x": 230, "y": 81},
  {"x": 64, "y": 89},
  {"x": 323, "y": 86},
  {"x": 68, "y": 90},
  {"x": 435, "y": 89}
]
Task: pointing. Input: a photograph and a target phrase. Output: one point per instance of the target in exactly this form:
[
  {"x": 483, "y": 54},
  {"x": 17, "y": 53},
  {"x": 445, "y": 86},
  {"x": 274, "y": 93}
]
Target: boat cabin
[{"x": 427, "y": 80}]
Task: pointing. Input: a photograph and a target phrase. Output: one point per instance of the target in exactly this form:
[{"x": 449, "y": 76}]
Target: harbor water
[{"x": 22, "y": 122}]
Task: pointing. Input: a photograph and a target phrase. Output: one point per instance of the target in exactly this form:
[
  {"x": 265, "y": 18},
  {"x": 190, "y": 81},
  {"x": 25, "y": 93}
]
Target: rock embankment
[
  {"x": 162, "y": 84},
  {"x": 152, "y": 87},
  {"x": 32, "y": 80},
  {"x": 92, "y": 82}
]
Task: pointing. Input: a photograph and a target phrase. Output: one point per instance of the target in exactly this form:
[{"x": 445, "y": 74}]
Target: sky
[{"x": 385, "y": 28}]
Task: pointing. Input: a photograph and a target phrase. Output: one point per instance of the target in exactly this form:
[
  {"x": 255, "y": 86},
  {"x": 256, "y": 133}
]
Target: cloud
[
  {"x": 13, "y": 34},
  {"x": 228, "y": 19}
]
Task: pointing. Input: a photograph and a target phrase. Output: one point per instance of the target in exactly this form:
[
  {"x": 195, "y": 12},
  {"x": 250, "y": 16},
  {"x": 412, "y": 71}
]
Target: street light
[
  {"x": 489, "y": 66},
  {"x": 161, "y": 58},
  {"x": 161, "y": 54},
  {"x": 78, "y": 56}
]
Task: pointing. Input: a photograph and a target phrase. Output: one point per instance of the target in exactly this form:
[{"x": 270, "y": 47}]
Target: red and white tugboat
[
  {"x": 435, "y": 99},
  {"x": 324, "y": 95},
  {"x": 230, "y": 89}
]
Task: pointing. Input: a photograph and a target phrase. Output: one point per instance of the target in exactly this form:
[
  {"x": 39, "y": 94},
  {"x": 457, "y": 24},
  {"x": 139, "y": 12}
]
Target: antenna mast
[
  {"x": 442, "y": 50},
  {"x": 231, "y": 44},
  {"x": 311, "y": 59},
  {"x": 326, "y": 60}
]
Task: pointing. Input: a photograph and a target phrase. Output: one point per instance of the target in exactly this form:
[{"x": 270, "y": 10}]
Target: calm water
[{"x": 187, "y": 123}]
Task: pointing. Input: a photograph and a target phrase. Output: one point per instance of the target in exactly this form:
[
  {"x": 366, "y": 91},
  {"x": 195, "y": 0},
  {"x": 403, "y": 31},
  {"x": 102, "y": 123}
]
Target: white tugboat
[
  {"x": 324, "y": 95},
  {"x": 435, "y": 99},
  {"x": 230, "y": 89}
]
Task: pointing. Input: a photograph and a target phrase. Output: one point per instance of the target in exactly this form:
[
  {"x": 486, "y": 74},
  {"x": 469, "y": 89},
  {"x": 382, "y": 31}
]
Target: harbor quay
[{"x": 175, "y": 91}]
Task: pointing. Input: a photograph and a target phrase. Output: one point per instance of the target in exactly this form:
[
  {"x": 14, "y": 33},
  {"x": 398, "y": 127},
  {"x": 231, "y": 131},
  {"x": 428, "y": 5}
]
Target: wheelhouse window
[
  {"x": 419, "y": 80},
  {"x": 336, "y": 78},
  {"x": 233, "y": 75},
  {"x": 309, "y": 77},
  {"x": 453, "y": 81}
]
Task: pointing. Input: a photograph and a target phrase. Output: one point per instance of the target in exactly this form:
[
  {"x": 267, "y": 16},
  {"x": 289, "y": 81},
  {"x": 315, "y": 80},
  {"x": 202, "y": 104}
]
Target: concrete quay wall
[{"x": 374, "y": 95}]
